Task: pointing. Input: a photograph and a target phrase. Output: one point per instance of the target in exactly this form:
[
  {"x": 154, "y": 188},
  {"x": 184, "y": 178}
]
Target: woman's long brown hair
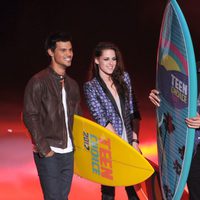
[{"x": 117, "y": 75}]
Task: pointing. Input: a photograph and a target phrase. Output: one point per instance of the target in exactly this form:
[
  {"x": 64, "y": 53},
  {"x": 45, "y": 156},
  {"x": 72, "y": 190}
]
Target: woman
[{"x": 110, "y": 101}]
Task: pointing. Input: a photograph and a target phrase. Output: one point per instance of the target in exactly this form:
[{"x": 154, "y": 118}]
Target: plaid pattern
[{"x": 103, "y": 107}]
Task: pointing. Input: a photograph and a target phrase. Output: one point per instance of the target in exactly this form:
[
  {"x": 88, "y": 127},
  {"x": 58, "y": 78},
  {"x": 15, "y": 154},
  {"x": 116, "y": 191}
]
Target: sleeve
[
  {"x": 31, "y": 115},
  {"x": 94, "y": 105},
  {"x": 134, "y": 109}
]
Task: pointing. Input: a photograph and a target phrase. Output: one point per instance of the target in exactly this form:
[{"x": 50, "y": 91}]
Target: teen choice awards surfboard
[
  {"x": 103, "y": 157},
  {"x": 177, "y": 83}
]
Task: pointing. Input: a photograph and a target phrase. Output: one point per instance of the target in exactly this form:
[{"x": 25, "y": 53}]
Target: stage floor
[{"x": 18, "y": 176}]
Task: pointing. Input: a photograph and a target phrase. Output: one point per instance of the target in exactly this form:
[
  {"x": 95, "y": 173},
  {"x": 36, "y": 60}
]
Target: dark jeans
[
  {"x": 193, "y": 181},
  {"x": 108, "y": 193},
  {"x": 55, "y": 175}
]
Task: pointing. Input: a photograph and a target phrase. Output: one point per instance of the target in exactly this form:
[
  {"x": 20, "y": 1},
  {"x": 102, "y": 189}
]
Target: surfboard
[
  {"x": 176, "y": 80},
  {"x": 103, "y": 157}
]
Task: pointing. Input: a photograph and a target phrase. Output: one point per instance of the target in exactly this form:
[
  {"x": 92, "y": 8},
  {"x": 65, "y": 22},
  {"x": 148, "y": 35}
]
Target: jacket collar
[
  {"x": 110, "y": 96},
  {"x": 59, "y": 78},
  {"x": 56, "y": 75}
]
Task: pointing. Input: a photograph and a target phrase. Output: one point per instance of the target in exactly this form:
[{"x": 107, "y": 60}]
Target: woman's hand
[
  {"x": 193, "y": 122},
  {"x": 110, "y": 127},
  {"x": 153, "y": 96},
  {"x": 136, "y": 146}
]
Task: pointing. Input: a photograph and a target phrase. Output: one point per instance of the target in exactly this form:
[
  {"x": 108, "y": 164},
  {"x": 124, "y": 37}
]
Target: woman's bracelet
[{"x": 135, "y": 140}]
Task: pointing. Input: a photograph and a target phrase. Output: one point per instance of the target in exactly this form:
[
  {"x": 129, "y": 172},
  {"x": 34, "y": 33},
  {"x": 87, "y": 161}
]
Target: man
[
  {"x": 51, "y": 99},
  {"x": 193, "y": 181}
]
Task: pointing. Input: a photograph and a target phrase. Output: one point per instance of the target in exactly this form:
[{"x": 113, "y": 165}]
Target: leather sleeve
[{"x": 31, "y": 110}]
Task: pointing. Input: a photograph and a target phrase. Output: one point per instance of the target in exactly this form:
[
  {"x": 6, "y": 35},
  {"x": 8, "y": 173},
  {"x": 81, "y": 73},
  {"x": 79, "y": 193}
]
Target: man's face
[{"x": 62, "y": 55}]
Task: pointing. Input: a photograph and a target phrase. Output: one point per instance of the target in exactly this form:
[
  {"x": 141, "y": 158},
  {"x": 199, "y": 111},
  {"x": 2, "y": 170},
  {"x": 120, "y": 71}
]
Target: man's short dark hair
[{"x": 58, "y": 36}]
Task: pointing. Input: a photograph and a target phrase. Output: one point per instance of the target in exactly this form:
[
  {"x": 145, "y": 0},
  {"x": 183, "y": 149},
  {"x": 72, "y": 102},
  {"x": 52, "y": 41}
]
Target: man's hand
[
  {"x": 193, "y": 122},
  {"x": 50, "y": 154},
  {"x": 153, "y": 96}
]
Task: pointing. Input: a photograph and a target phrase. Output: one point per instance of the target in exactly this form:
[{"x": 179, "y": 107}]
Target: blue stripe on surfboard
[{"x": 192, "y": 101}]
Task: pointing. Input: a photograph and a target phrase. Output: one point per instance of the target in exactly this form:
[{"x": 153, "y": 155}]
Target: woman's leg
[
  {"x": 131, "y": 193},
  {"x": 108, "y": 192}
]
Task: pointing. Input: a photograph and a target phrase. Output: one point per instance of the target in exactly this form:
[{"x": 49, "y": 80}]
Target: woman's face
[{"x": 106, "y": 62}]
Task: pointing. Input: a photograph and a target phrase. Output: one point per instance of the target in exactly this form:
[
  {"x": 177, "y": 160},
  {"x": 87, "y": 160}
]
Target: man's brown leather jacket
[{"x": 43, "y": 111}]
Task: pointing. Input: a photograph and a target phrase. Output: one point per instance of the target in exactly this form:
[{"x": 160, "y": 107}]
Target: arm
[
  {"x": 31, "y": 116},
  {"x": 134, "y": 112},
  {"x": 134, "y": 109},
  {"x": 94, "y": 105}
]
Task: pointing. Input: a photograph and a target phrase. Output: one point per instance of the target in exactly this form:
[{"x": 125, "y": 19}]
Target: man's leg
[
  {"x": 66, "y": 163},
  {"x": 194, "y": 176},
  {"x": 49, "y": 176}
]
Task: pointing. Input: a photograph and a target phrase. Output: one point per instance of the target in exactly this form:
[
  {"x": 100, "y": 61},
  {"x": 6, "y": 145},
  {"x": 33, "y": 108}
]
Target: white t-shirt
[
  {"x": 69, "y": 142},
  {"x": 124, "y": 136}
]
